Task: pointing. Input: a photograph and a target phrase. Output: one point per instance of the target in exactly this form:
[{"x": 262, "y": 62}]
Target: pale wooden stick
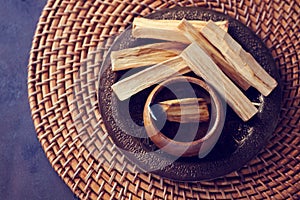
[
  {"x": 185, "y": 110},
  {"x": 194, "y": 36},
  {"x": 165, "y": 29},
  {"x": 202, "y": 65},
  {"x": 145, "y": 55},
  {"x": 243, "y": 62},
  {"x": 133, "y": 84}
]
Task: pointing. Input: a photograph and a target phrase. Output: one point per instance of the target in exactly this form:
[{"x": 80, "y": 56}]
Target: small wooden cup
[{"x": 200, "y": 147}]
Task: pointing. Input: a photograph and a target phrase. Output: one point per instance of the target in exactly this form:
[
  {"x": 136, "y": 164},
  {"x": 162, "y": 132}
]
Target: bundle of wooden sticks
[{"x": 199, "y": 46}]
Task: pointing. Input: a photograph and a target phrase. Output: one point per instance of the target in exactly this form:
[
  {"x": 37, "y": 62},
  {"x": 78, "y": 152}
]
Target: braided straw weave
[{"x": 71, "y": 40}]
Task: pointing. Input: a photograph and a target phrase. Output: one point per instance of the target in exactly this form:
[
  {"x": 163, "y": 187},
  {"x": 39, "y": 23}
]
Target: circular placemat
[{"x": 70, "y": 42}]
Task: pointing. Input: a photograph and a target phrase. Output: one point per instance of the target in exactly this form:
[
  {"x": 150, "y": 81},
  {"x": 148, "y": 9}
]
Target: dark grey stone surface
[{"x": 25, "y": 172}]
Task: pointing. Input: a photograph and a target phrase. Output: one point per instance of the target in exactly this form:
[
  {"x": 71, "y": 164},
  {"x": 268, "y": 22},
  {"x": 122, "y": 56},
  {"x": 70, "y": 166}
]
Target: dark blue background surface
[{"x": 25, "y": 172}]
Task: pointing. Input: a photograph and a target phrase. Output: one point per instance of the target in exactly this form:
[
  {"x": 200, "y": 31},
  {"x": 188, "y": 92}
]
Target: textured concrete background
[{"x": 25, "y": 172}]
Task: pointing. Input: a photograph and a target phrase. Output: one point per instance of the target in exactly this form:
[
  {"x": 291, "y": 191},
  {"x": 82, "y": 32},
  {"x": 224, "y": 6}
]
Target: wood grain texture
[
  {"x": 145, "y": 55},
  {"x": 192, "y": 33},
  {"x": 244, "y": 64},
  {"x": 185, "y": 110},
  {"x": 202, "y": 65},
  {"x": 166, "y": 29},
  {"x": 135, "y": 83}
]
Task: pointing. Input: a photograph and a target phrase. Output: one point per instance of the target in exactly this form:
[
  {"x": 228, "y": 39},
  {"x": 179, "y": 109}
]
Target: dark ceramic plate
[{"x": 239, "y": 141}]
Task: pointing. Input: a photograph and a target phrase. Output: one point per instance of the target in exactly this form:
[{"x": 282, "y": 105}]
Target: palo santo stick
[
  {"x": 133, "y": 84},
  {"x": 166, "y": 29},
  {"x": 185, "y": 110},
  {"x": 202, "y": 65},
  {"x": 243, "y": 62},
  {"x": 194, "y": 36},
  {"x": 145, "y": 55}
]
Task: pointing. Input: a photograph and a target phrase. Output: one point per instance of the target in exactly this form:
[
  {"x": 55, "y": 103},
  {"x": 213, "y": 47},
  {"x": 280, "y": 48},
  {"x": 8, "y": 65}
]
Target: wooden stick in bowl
[{"x": 185, "y": 110}]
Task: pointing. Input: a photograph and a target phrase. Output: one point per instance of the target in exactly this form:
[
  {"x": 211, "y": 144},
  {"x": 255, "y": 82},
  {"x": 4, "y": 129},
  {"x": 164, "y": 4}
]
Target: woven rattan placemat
[{"x": 71, "y": 40}]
